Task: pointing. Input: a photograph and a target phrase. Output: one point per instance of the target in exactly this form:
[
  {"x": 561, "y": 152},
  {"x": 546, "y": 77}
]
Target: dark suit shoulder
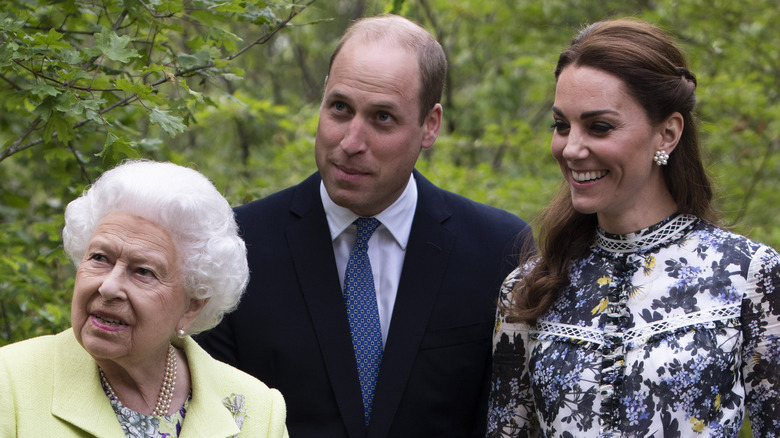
[
  {"x": 282, "y": 206},
  {"x": 463, "y": 211},
  {"x": 488, "y": 212}
]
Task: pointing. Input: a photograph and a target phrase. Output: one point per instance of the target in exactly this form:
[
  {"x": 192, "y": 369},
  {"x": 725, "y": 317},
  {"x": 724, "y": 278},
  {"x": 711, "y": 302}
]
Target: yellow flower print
[
  {"x": 601, "y": 307},
  {"x": 649, "y": 265},
  {"x": 698, "y": 425},
  {"x": 717, "y": 402},
  {"x": 603, "y": 281},
  {"x": 637, "y": 292}
]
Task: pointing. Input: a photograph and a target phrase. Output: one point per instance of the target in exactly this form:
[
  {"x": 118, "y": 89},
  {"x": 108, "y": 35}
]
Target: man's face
[{"x": 369, "y": 135}]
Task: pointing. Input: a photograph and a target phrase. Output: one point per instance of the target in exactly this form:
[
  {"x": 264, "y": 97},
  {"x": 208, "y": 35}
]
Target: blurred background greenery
[{"x": 232, "y": 89}]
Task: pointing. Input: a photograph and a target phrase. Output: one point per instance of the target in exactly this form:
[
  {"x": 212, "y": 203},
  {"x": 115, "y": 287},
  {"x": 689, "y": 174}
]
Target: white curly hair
[{"x": 189, "y": 207}]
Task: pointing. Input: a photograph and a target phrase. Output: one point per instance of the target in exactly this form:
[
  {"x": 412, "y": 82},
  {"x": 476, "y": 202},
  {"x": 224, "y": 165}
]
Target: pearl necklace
[{"x": 166, "y": 391}]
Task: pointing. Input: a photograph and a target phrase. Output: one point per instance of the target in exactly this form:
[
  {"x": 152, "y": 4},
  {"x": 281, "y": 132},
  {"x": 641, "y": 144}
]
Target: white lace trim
[
  {"x": 583, "y": 334},
  {"x": 636, "y": 241},
  {"x": 638, "y": 335},
  {"x": 703, "y": 316}
]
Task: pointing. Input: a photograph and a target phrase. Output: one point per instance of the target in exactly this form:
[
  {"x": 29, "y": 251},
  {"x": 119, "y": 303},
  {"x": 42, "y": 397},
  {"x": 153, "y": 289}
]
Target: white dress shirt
[{"x": 386, "y": 247}]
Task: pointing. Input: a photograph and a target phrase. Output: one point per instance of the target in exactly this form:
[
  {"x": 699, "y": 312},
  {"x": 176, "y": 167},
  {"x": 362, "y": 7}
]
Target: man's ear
[{"x": 432, "y": 124}]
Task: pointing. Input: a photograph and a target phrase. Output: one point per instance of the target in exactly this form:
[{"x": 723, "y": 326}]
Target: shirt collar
[{"x": 397, "y": 218}]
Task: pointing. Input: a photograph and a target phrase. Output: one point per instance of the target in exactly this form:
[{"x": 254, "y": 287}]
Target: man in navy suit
[{"x": 437, "y": 259}]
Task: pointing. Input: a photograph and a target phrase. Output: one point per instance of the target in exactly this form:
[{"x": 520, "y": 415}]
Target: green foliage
[
  {"x": 112, "y": 71},
  {"x": 232, "y": 88},
  {"x": 83, "y": 85}
]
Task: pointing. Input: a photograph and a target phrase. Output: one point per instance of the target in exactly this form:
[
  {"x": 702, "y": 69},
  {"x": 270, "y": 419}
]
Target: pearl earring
[
  {"x": 181, "y": 332},
  {"x": 661, "y": 158}
]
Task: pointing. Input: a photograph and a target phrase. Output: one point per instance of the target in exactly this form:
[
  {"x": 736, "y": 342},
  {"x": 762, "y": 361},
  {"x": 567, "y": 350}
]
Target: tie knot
[{"x": 365, "y": 228}]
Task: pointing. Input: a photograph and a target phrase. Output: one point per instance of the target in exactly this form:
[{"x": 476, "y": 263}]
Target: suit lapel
[
  {"x": 425, "y": 263},
  {"x": 312, "y": 251}
]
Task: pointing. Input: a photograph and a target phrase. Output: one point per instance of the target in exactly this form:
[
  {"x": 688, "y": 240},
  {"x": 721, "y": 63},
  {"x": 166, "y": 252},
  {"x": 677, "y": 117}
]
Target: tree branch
[
  {"x": 14, "y": 148},
  {"x": 81, "y": 163},
  {"x": 758, "y": 175},
  {"x": 154, "y": 14},
  {"x": 37, "y": 74},
  {"x": 263, "y": 39},
  {"x": 17, "y": 145},
  {"x": 16, "y": 87}
]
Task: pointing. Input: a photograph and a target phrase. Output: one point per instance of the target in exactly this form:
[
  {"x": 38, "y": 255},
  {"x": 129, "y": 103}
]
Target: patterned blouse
[
  {"x": 668, "y": 332},
  {"x": 137, "y": 425}
]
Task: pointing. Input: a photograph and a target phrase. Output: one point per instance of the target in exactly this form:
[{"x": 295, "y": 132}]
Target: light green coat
[{"x": 49, "y": 387}]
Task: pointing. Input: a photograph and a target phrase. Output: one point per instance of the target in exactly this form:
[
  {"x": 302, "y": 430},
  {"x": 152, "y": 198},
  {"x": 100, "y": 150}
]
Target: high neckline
[{"x": 669, "y": 229}]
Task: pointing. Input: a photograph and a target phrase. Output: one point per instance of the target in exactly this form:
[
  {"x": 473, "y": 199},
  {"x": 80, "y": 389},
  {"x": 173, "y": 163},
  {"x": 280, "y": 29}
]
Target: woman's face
[
  {"x": 604, "y": 143},
  {"x": 128, "y": 300}
]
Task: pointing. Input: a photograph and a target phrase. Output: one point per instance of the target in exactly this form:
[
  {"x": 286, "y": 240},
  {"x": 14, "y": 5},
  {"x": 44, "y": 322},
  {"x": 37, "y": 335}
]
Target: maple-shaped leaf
[
  {"x": 170, "y": 123},
  {"x": 113, "y": 46}
]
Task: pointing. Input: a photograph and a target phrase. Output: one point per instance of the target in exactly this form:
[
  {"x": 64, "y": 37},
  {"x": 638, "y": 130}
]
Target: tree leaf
[
  {"x": 144, "y": 91},
  {"x": 170, "y": 123},
  {"x": 113, "y": 46}
]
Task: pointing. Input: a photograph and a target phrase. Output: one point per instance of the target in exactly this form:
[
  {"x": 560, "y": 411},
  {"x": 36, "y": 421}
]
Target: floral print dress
[
  {"x": 673, "y": 331},
  {"x": 137, "y": 425}
]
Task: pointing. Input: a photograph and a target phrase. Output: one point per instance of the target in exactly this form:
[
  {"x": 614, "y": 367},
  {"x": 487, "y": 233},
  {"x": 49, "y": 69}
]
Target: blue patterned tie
[{"x": 360, "y": 298}]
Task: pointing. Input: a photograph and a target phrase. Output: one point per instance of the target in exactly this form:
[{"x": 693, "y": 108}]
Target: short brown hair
[{"x": 432, "y": 62}]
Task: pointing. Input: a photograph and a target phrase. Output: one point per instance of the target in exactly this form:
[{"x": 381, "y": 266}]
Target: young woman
[{"x": 638, "y": 317}]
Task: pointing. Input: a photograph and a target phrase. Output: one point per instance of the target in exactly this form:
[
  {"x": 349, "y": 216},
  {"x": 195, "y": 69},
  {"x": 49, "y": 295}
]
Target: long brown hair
[{"x": 656, "y": 74}]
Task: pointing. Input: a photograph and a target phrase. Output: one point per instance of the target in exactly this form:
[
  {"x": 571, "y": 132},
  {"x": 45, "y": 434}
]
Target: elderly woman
[
  {"x": 158, "y": 259},
  {"x": 639, "y": 317}
]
